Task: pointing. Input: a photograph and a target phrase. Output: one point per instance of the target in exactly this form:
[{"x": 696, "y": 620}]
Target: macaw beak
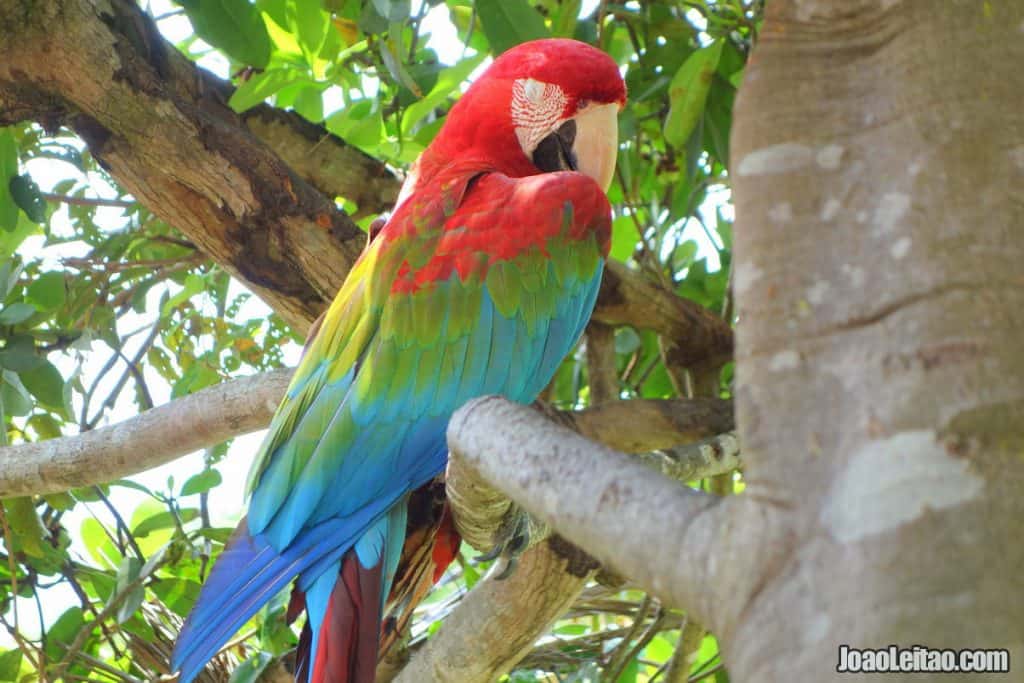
[{"x": 597, "y": 142}]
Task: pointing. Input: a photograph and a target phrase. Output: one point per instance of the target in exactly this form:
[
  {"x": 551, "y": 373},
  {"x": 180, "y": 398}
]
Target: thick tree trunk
[{"x": 879, "y": 164}]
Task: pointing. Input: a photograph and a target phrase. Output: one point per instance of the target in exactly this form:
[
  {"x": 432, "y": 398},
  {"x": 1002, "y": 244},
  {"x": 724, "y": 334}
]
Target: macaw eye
[{"x": 555, "y": 153}]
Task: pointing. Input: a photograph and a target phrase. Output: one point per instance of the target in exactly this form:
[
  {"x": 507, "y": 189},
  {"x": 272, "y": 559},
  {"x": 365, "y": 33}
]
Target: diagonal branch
[
  {"x": 694, "y": 335},
  {"x": 497, "y": 624},
  {"x": 162, "y": 127}
]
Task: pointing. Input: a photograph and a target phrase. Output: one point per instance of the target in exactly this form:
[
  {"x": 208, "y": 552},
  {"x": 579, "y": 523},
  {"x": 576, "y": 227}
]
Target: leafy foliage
[{"x": 105, "y": 309}]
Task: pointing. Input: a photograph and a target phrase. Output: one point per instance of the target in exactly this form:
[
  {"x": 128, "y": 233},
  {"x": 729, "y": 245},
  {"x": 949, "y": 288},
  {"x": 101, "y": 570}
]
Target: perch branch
[{"x": 627, "y": 516}]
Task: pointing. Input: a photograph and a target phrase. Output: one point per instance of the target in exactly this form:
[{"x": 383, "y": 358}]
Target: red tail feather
[
  {"x": 349, "y": 634},
  {"x": 347, "y": 649}
]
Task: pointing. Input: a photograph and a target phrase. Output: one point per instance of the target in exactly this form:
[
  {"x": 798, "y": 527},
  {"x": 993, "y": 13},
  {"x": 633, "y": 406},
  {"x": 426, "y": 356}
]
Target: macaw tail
[
  {"x": 340, "y": 640},
  {"x": 250, "y": 571},
  {"x": 347, "y": 636}
]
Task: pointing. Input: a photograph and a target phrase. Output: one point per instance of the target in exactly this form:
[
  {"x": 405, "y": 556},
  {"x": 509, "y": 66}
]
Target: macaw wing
[
  {"x": 489, "y": 303},
  {"x": 452, "y": 300}
]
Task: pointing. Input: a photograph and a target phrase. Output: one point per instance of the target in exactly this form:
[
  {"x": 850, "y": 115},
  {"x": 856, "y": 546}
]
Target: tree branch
[
  {"x": 694, "y": 335},
  {"x": 469, "y": 647},
  {"x": 632, "y": 519},
  {"x": 152, "y": 438},
  {"x": 659, "y": 431},
  {"x": 639, "y": 426},
  {"x": 163, "y": 129},
  {"x": 483, "y": 638},
  {"x": 239, "y": 406}
]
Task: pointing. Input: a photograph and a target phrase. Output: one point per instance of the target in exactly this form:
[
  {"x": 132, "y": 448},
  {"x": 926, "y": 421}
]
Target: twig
[
  {"x": 119, "y": 266},
  {"x": 121, "y": 526},
  {"x": 74, "y": 649},
  {"x": 116, "y": 391},
  {"x": 23, "y": 645},
  {"x": 13, "y": 566},
  {"x": 87, "y": 201},
  {"x": 69, "y": 575},
  {"x": 622, "y": 653}
]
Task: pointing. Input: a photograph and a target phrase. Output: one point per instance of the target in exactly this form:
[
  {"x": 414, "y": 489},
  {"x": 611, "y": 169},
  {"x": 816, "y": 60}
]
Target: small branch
[
  {"x": 639, "y": 426},
  {"x": 109, "y": 609},
  {"x": 87, "y": 201},
  {"x": 708, "y": 458},
  {"x": 148, "y": 440},
  {"x": 626, "y": 649},
  {"x": 693, "y": 334},
  {"x": 118, "y": 266},
  {"x": 602, "y": 374}
]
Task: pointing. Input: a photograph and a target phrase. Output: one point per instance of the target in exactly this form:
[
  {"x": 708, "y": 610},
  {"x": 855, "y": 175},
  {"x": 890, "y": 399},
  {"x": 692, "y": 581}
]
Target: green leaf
[
  {"x": 28, "y": 535},
  {"x": 8, "y": 170},
  {"x": 448, "y": 82},
  {"x": 178, "y": 594},
  {"x": 11, "y": 240},
  {"x": 234, "y": 26},
  {"x": 10, "y": 271},
  {"x": 16, "y": 313},
  {"x": 624, "y": 238},
  {"x": 392, "y": 10},
  {"x": 45, "y": 426},
  {"x": 26, "y": 195},
  {"x": 163, "y": 520},
  {"x": 360, "y": 125},
  {"x": 127, "y": 572},
  {"x": 10, "y": 665},
  {"x": 60, "y": 501},
  {"x": 688, "y": 92},
  {"x": 63, "y": 631},
  {"x": 218, "y": 534},
  {"x": 129, "y": 484},
  {"x": 565, "y": 18},
  {"x": 309, "y": 23},
  {"x": 309, "y": 102},
  {"x": 46, "y": 384},
  {"x": 100, "y": 547},
  {"x": 20, "y": 354},
  {"x": 249, "y": 671},
  {"x": 15, "y": 398},
  {"x": 507, "y": 23},
  {"x": 47, "y": 292},
  {"x": 199, "y": 483},
  {"x": 261, "y": 86},
  {"x": 193, "y": 285}
]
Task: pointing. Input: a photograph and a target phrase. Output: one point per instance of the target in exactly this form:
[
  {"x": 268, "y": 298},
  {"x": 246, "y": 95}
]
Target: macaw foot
[{"x": 518, "y": 531}]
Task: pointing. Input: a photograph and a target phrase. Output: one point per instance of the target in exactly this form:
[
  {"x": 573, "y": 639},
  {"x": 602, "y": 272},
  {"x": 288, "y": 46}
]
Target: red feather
[{"x": 347, "y": 647}]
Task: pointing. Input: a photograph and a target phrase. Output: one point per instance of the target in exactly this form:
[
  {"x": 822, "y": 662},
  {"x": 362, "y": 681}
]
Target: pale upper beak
[{"x": 597, "y": 142}]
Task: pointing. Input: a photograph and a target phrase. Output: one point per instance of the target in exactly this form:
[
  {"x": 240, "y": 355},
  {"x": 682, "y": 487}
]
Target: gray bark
[{"x": 879, "y": 163}]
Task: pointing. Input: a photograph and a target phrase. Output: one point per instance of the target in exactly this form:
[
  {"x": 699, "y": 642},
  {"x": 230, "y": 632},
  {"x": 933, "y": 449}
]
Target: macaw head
[{"x": 542, "y": 106}]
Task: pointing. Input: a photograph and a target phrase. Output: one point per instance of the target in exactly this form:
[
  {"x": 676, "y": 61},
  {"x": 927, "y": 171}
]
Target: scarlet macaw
[{"x": 480, "y": 283}]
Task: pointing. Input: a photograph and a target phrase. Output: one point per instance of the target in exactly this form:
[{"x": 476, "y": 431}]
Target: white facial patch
[{"x": 536, "y": 110}]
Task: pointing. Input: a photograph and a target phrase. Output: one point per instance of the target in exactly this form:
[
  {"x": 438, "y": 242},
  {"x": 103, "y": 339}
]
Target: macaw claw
[{"x": 518, "y": 532}]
